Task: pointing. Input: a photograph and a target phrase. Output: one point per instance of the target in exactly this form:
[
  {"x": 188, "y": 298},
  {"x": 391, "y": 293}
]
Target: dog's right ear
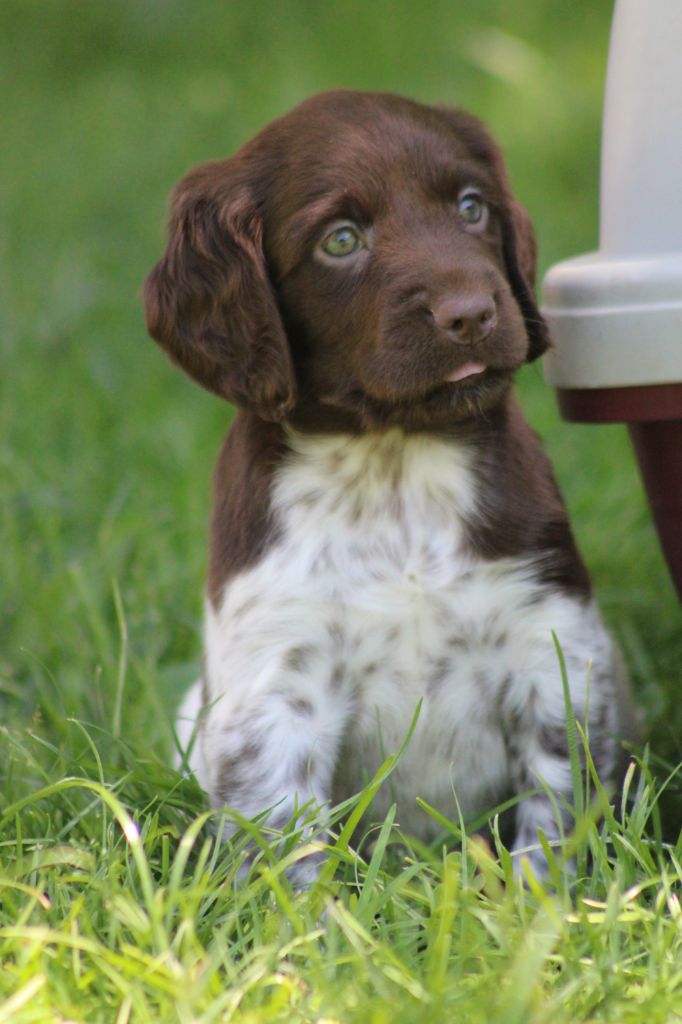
[{"x": 209, "y": 302}]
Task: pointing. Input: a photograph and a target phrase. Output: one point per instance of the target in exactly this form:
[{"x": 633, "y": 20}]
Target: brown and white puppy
[{"x": 386, "y": 529}]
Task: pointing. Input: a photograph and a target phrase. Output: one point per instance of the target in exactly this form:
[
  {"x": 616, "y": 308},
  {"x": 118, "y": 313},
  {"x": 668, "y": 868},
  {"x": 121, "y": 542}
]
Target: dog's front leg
[
  {"x": 275, "y": 751},
  {"x": 543, "y": 763},
  {"x": 546, "y": 812}
]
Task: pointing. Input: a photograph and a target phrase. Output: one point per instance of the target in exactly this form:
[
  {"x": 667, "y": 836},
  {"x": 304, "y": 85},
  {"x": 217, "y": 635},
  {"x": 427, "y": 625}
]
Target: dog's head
[{"x": 360, "y": 263}]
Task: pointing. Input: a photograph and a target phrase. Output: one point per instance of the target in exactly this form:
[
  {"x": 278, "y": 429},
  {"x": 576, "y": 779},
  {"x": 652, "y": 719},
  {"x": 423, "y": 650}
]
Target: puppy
[{"x": 358, "y": 280}]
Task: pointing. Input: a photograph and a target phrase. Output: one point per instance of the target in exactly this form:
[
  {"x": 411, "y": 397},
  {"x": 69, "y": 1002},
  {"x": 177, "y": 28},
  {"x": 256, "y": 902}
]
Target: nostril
[{"x": 487, "y": 320}]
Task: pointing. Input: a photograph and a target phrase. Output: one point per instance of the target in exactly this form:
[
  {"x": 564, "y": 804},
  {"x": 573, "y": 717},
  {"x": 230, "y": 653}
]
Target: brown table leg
[
  {"x": 658, "y": 447},
  {"x": 654, "y": 418}
]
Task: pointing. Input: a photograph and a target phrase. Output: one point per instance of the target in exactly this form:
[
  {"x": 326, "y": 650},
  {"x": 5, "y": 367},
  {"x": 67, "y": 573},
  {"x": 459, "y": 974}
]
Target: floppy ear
[
  {"x": 209, "y": 302},
  {"x": 518, "y": 240}
]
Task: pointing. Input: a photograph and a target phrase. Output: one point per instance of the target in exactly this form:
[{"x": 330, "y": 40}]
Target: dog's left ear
[{"x": 518, "y": 240}]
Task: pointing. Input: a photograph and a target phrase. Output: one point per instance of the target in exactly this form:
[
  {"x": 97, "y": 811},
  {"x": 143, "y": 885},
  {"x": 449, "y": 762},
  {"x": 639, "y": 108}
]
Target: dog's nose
[{"x": 468, "y": 318}]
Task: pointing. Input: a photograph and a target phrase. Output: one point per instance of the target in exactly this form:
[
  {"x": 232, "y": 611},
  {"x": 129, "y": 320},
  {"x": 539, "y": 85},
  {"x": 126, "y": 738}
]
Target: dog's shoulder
[
  {"x": 521, "y": 511},
  {"x": 241, "y": 524}
]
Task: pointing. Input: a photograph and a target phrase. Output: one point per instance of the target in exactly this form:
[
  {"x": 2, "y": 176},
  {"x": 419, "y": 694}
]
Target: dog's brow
[
  {"x": 317, "y": 212},
  {"x": 448, "y": 179},
  {"x": 305, "y": 224}
]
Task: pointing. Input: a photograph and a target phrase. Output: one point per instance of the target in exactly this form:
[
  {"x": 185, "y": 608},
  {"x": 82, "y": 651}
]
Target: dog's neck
[
  {"x": 514, "y": 509},
  {"x": 356, "y": 413}
]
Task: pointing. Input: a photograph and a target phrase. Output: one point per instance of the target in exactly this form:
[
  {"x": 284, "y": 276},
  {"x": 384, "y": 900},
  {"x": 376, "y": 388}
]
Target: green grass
[
  {"x": 105, "y": 461},
  {"x": 118, "y": 905}
]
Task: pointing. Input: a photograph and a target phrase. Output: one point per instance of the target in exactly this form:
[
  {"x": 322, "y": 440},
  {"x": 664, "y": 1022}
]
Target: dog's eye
[
  {"x": 472, "y": 208},
  {"x": 344, "y": 240}
]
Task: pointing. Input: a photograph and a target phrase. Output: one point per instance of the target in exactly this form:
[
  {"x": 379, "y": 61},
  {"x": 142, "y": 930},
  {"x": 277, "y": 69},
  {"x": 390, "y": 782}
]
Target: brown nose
[{"x": 467, "y": 318}]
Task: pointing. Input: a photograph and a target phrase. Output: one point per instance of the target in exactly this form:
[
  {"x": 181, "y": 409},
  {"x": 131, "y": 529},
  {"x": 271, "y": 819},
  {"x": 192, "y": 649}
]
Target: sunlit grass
[{"x": 119, "y": 904}]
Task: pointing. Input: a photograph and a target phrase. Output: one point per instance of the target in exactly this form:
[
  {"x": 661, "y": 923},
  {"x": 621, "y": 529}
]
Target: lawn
[{"x": 115, "y": 905}]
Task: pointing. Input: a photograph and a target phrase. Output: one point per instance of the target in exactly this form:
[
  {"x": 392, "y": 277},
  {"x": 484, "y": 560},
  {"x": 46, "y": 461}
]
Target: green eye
[
  {"x": 471, "y": 207},
  {"x": 342, "y": 241}
]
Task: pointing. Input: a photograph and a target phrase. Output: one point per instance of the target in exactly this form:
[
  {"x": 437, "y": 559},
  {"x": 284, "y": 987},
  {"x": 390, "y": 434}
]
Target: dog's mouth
[
  {"x": 464, "y": 388},
  {"x": 471, "y": 369},
  {"x": 464, "y": 394}
]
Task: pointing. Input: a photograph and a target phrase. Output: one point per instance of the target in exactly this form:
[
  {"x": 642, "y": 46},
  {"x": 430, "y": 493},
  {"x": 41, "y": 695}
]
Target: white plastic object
[{"x": 616, "y": 315}]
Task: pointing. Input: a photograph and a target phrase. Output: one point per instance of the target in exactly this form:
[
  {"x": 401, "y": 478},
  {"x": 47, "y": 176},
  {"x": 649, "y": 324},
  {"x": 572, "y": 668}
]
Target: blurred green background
[{"x": 105, "y": 449}]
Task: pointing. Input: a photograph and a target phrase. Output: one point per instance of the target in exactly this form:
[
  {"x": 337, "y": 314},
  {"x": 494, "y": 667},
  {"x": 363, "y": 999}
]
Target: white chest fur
[{"x": 368, "y": 602}]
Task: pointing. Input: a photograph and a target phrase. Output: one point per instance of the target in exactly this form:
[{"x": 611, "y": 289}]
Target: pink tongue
[{"x": 468, "y": 370}]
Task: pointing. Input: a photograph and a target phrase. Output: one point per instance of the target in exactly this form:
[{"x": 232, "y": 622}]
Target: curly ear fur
[{"x": 209, "y": 302}]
